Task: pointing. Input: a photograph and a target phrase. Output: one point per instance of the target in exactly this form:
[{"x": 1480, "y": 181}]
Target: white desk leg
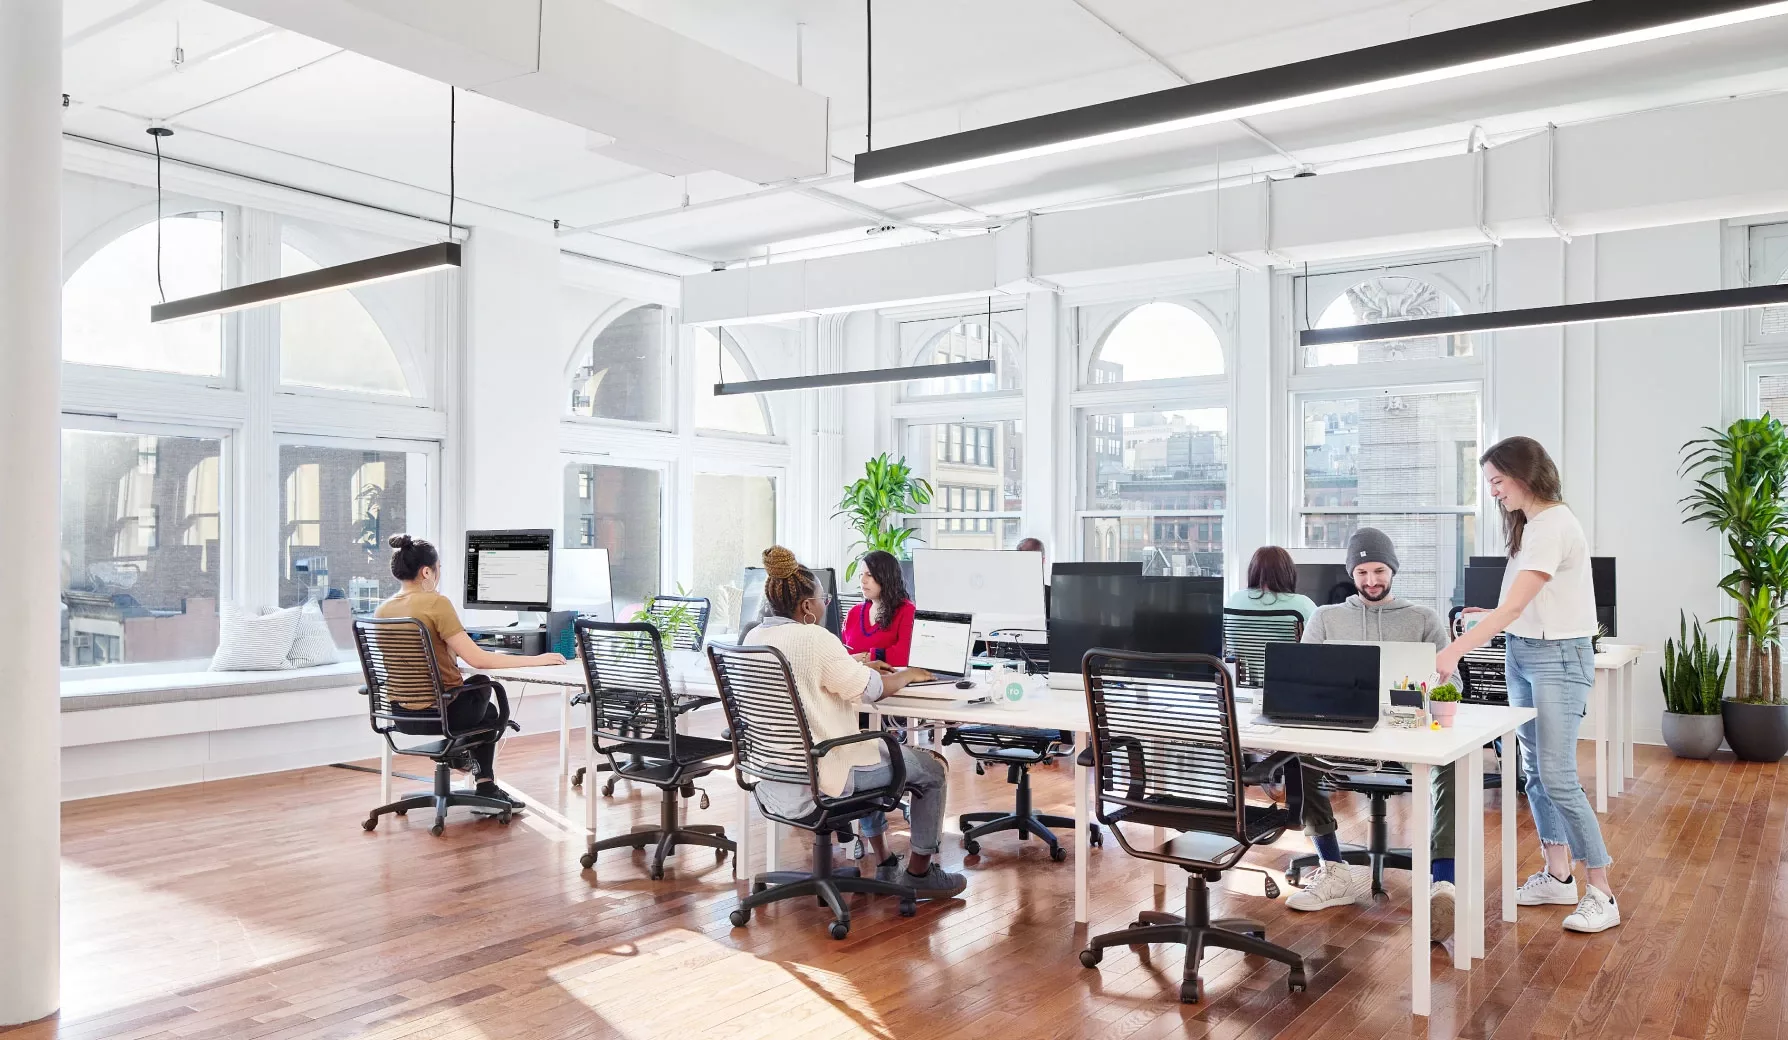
[
  {"x": 1462, "y": 867},
  {"x": 1617, "y": 730},
  {"x": 590, "y": 794},
  {"x": 1599, "y": 705},
  {"x": 565, "y": 734},
  {"x": 1082, "y": 822},
  {"x": 1157, "y": 869},
  {"x": 1511, "y": 804},
  {"x": 1626, "y": 698},
  {"x": 1421, "y": 867},
  {"x": 1474, "y": 764},
  {"x": 384, "y": 771},
  {"x": 742, "y": 836}
]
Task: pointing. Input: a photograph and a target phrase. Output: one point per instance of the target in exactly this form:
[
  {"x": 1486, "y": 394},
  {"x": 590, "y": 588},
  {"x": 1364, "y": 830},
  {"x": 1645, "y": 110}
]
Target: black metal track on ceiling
[{"x": 341, "y": 276}]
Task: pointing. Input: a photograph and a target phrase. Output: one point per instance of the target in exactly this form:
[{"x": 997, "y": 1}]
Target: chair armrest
[
  {"x": 480, "y": 683},
  {"x": 1265, "y": 770},
  {"x": 896, "y": 764}
]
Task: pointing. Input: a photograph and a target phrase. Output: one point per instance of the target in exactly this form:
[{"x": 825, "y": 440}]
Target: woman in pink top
[{"x": 881, "y": 627}]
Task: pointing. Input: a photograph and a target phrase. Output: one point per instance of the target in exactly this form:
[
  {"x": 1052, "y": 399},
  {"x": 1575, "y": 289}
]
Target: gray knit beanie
[{"x": 1370, "y": 545}]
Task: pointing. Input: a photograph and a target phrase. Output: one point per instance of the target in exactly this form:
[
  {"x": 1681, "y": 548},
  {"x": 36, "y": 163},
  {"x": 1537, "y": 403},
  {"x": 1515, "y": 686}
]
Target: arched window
[
  {"x": 330, "y": 341},
  {"x": 105, "y": 303},
  {"x": 1157, "y": 341},
  {"x": 720, "y": 361},
  {"x": 1388, "y": 298},
  {"x": 969, "y": 340},
  {"x": 624, "y": 375}
]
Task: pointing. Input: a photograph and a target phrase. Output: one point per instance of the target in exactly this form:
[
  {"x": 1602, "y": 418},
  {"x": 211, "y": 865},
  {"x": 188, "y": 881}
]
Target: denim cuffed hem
[
  {"x": 1319, "y": 831},
  {"x": 917, "y": 851},
  {"x": 873, "y": 826}
]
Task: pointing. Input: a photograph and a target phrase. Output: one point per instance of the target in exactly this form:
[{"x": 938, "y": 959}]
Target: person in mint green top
[{"x": 1272, "y": 581}]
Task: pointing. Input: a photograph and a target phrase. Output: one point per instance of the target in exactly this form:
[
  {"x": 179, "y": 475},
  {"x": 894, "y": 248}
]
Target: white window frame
[
  {"x": 669, "y": 399},
  {"x": 1443, "y": 271}
]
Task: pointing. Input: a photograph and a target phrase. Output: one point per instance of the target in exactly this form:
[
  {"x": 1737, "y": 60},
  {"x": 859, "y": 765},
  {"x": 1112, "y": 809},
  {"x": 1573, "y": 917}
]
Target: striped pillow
[
  {"x": 314, "y": 644},
  {"x": 247, "y": 642}
]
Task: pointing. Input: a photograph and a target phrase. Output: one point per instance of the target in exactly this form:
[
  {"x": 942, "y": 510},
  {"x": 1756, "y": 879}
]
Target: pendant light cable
[
  {"x": 869, "y": 75},
  {"x": 157, "y": 133},
  {"x": 452, "y": 154}
]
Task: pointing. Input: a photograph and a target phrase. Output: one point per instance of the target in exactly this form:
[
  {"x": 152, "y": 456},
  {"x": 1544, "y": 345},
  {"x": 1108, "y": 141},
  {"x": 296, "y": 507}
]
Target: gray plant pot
[
  {"x": 1757, "y": 732},
  {"x": 1693, "y": 736}
]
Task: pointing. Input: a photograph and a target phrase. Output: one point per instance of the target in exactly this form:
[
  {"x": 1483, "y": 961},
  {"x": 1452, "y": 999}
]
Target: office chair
[
  {"x": 1246, "y": 634},
  {"x": 772, "y": 742},
  {"x": 633, "y": 724},
  {"x": 398, "y": 661},
  {"x": 1018, "y": 750},
  {"x": 1168, "y": 754},
  {"x": 658, "y": 612}
]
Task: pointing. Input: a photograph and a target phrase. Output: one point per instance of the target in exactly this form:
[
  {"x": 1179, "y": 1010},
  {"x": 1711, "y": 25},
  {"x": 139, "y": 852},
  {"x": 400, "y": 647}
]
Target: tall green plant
[
  {"x": 886, "y": 491},
  {"x": 1737, "y": 477},
  {"x": 1694, "y": 672}
]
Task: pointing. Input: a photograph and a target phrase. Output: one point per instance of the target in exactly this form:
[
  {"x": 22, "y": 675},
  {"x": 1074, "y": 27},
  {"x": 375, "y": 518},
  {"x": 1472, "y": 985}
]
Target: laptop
[
  {"x": 1320, "y": 686},
  {"x": 942, "y": 643}
]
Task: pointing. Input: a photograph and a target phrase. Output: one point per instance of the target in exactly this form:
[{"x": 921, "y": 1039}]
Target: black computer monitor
[
  {"x": 751, "y": 603},
  {"x": 1324, "y": 583},
  {"x": 1483, "y": 586},
  {"x": 1151, "y": 614},
  {"x": 509, "y": 570},
  {"x": 1483, "y": 583},
  {"x": 1113, "y": 567},
  {"x": 1601, "y": 570}
]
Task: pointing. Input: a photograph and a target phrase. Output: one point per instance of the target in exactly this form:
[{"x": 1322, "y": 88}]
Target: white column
[
  {"x": 30, "y": 471},
  {"x": 1047, "y": 509}
]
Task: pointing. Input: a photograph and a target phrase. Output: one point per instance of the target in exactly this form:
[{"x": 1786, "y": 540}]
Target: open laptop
[
  {"x": 1320, "y": 686},
  {"x": 942, "y": 643}
]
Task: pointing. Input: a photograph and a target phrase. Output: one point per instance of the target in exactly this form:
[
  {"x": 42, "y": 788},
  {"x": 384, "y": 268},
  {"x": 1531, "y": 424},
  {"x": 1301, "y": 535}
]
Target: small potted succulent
[{"x": 1443, "y": 704}]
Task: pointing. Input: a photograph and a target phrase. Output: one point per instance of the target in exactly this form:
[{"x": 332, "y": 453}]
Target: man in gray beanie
[{"x": 1373, "y": 615}]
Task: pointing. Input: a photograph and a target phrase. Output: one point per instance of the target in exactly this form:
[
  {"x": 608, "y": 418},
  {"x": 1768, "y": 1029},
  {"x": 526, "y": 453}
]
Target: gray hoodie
[{"x": 1389, "y": 621}]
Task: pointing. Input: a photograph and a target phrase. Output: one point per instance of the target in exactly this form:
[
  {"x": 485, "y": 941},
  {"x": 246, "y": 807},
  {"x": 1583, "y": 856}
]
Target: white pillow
[
  {"x": 313, "y": 644},
  {"x": 250, "y": 643}
]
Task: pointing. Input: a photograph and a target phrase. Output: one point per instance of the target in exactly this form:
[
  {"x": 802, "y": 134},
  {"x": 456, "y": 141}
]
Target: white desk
[{"x": 1612, "y": 704}]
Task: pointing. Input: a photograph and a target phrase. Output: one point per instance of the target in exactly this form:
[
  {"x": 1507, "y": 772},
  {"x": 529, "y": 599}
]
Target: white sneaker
[
  {"x": 1596, "y": 913},
  {"x": 1542, "y": 889},
  {"x": 1330, "y": 884},
  {"x": 1440, "y": 911}
]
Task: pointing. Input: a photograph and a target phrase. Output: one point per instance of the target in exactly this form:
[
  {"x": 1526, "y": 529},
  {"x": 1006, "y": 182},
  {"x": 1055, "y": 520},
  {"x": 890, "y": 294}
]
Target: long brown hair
[
  {"x": 787, "y": 584},
  {"x": 885, "y": 569},
  {"x": 1525, "y": 461},
  {"x": 1271, "y": 570}
]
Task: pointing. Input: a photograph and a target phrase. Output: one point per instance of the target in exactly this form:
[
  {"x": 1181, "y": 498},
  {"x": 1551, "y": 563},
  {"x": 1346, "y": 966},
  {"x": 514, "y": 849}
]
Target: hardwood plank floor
[{"x": 257, "y": 909}]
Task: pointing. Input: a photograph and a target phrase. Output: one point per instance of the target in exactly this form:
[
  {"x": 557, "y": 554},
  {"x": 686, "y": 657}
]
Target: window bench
[{"x": 171, "y": 687}]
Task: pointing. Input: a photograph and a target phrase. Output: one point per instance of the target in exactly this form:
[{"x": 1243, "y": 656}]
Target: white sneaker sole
[
  {"x": 1324, "y": 905},
  {"x": 1584, "y": 929},
  {"x": 1523, "y": 899}
]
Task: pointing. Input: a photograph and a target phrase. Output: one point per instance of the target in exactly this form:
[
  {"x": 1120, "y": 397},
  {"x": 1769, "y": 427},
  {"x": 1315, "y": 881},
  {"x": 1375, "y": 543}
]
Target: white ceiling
[{"x": 272, "y": 104}]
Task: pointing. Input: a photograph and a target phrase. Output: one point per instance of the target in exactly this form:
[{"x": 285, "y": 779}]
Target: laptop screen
[
  {"x": 941, "y": 642},
  {"x": 1321, "y": 681}
]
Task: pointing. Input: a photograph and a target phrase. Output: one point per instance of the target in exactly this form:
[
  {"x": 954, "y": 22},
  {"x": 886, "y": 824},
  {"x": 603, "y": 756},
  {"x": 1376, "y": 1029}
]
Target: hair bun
[
  {"x": 779, "y": 563},
  {"x": 401, "y": 541}
]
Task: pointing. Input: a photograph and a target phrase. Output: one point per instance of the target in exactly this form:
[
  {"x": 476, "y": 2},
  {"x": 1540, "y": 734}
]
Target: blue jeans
[
  {"x": 1554, "y": 676},
  {"x": 927, "y": 779}
]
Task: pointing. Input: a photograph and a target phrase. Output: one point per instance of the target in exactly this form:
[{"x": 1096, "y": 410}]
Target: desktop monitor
[
  {"x": 1324, "y": 583},
  {"x": 752, "y": 608},
  {"x": 1483, "y": 586},
  {"x": 1601, "y": 570},
  {"x": 1120, "y": 567},
  {"x": 1150, "y": 614},
  {"x": 581, "y": 583},
  {"x": 1002, "y": 588},
  {"x": 509, "y": 570}
]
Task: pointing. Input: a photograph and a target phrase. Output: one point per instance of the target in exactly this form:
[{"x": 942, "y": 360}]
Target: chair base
[
  {"x": 977, "y": 825},
  {"x": 1359, "y": 856},
  {"x": 442, "y": 798},
  {"x": 664, "y": 838},
  {"x": 1197, "y": 932},
  {"x": 826, "y": 883}
]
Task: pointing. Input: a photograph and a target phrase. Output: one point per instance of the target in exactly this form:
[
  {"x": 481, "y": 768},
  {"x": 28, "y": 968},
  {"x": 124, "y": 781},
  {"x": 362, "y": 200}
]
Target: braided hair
[{"x": 787, "y": 584}]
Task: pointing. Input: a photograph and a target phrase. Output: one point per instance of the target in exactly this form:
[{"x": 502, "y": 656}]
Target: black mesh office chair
[
  {"x": 1168, "y": 754},
  {"x": 404, "y": 687},
  {"x": 772, "y": 744},
  {"x": 1246, "y": 634},
  {"x": 692, "y": 630},
  {"x": 1018, "y": 750},
  {"x": 633, "y": 724}
]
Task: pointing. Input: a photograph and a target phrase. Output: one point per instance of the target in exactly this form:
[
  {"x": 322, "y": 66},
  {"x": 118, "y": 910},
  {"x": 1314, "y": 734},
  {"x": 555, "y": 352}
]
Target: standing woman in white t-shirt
[{"x": 1548, "y": 612}]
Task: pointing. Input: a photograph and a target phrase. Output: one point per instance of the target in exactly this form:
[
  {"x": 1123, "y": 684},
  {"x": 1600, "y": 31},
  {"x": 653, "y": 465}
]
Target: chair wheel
[
  {"x": 1090, "y": 958},
  {"x": 657, "y": 872},
  {"x": 1095, "y": 836},
  {"x": 1296, "y": 982},
  {"x": 720, "y": 855},
  {"x": 503, "y": 818},
  {"x": 437, "y": 829},
  {"x": 587, "y": 860},
  {"x": 908, "y": 908},
  {"x": 740, "y": 917},
  {"x": 1191, "y": 991},
  {"x": 369, "y": 823},
  {"x": 1057, "y": 853},
  {"x": 608, "y": 789},
  {"x": 971, "y": 846},
  {"x": 838, "y": 929},
  {"x": 400, "y": 812}
]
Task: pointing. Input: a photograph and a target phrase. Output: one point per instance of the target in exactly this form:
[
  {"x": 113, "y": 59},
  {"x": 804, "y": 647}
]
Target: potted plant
[
  {"x": 886, "y": 491},
  {"x": 676, "y": 618},
  {"x": 1443, "y": 704},
  {"x": 1739, "y": 475},
  {"x": 1694, "y": 682}
]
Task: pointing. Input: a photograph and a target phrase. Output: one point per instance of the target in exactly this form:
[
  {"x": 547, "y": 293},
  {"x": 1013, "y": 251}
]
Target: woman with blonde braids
[{"x": 832, "y": 684}]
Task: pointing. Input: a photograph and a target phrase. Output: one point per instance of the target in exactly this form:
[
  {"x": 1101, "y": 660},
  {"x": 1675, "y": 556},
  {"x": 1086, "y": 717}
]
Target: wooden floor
[{"x": 259, "y": 909}]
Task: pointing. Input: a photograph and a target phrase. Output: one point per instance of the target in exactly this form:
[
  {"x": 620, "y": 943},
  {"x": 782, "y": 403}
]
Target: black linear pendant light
[
  {"x": 402, "y": 264},
  {"x": 1538, "y": 317},
  {"x": 947, "y": 370},
  {"x": 1543, "y": 35}
]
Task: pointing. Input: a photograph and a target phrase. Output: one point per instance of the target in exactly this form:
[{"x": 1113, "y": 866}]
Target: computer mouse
[{"x": 966, "y": 684}]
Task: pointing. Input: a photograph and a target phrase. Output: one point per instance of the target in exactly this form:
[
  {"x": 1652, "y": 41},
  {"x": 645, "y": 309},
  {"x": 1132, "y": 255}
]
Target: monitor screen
[
  {"x": 581, "y": 581},
  {"x": 1001, "y": 588},
  {"x": 1119, "y": 567},
  {"x": 941, "y": 642},
  {"x": 1483, "y": 585},
  {"x": 752, "y": 608},
  {"x": 509, "y": 570},
  {"x": 1321, "y": 680},
  {"x": 1149, "y": 614},
  {"x": 1324, "y": 583}
]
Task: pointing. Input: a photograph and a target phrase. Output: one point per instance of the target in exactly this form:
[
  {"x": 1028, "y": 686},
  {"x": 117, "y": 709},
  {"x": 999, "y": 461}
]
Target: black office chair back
[
  {"x": 630, "y": 695},
  {"x": 771, "y": 740},
  {"x": 403, "y": 681},
  {"x": 691, "y": 635},
  {"x": 1166, "y": 742},
  {"x": 1246, "y": 634}
]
